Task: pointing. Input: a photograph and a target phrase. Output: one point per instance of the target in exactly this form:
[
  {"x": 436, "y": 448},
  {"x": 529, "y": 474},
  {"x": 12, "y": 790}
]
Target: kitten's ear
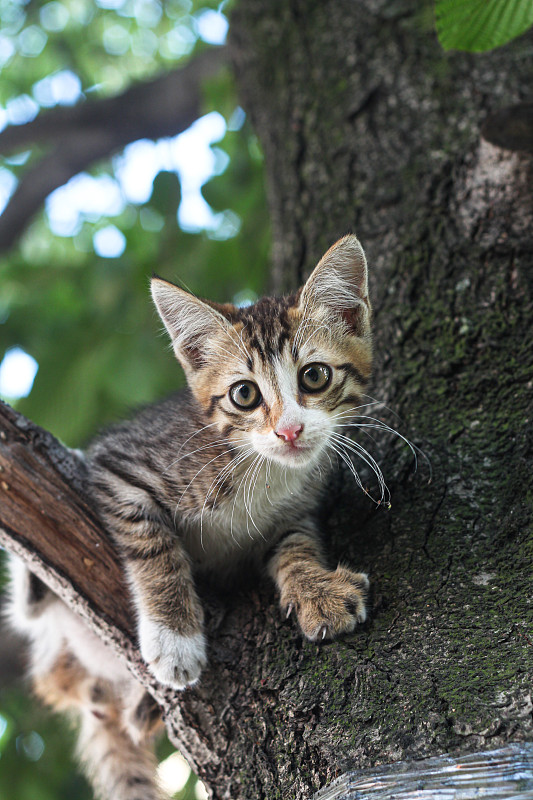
[
  {"x": 339, "y": 282},
  {"x": 190, "y": 322}
]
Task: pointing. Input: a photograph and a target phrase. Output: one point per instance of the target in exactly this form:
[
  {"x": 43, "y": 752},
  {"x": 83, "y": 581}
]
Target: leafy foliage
[
  {"x": 87, "y": 319},
  {"x": 479, "y": 25},
  {"x": 36, "y": 753},
  {"x": 106, "y": 44}
]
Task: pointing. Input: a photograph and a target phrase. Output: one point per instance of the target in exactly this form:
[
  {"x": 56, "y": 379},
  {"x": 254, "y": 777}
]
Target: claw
[
  {"x": 289, "y": 610},
  {"x": 324, "y": 632}
]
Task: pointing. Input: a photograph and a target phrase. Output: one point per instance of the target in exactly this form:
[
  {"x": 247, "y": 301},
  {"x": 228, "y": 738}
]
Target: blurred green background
[{"x": 80, "y": 343}]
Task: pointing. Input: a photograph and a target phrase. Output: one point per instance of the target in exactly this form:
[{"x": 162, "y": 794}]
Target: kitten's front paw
[
  {"x": 174, "y": 659},
  {"x": 328, "y": 605}
]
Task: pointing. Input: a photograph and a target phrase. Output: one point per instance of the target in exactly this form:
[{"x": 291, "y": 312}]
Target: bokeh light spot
[
  {"x": 30, "y": 745},
  {"x": 109, "y": 242},
  {"x": 212, "y": 26},
  {"x": 17, "y": 373}
]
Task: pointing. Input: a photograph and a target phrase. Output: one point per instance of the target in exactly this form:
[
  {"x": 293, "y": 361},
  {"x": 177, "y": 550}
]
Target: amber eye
[
  {"x": 315, "y": 377},
  {"x": 245, "y": 394}
]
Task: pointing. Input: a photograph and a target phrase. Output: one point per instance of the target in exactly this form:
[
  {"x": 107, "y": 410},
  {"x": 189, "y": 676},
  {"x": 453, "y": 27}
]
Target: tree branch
[
  {"x": 47, "y": 520},
  {"x": 95, "y": 129}
]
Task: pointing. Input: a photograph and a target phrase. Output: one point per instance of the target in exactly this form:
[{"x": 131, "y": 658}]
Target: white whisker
[
  {"x": 243, "y": 483},
  {"x": 267, "y": 481},
  {"x": 229, "y": 468},
  {"x": 219, "y": 480},
  {"x": 347, "y": 461},
  {"x": 303, "y": 321},
  {"x": 370, "y": 422},
  {"x": 195, "y": 434},
  {"x": 364, "y": 455},
  {"x": 349, "y": 411},
  {"x": 251, "y": 487},
  {"x": 382, "y": 404},
  {"x": 223, "y": 453},
  {"x": 220, "y": 349},
  {"x": 214, "y": 443},
  {"x": 244, "y": 346},
  {"x": 379, "y": 424},
  {"x": 227, "y": 329}
]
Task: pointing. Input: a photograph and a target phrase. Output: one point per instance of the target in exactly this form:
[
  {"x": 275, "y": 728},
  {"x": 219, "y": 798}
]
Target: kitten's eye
[
  {"x": 245, "y": 394},
  {"x": 315, "y": 377}
]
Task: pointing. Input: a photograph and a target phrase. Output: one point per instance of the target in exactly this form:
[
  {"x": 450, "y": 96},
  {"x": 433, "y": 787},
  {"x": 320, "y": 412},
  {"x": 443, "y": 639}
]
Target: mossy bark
[{"x": 368, "y": 127}]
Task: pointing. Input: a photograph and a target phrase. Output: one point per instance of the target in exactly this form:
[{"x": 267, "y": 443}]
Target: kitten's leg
[
  {"x": 171, "y": 617},
  {"x": 66, "y": 685},
  {"x": 118, "y": 767},
  {"x": 131, "y": 503},
  {"x": 30, "y": 597},
  {"x": 142, "y": 715},
  {"x": 326, "y": 602}
]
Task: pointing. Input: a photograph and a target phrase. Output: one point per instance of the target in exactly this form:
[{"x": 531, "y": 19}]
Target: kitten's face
[
  {"x": 279, "y": 380},
  {"x": 275, "y": 378}
]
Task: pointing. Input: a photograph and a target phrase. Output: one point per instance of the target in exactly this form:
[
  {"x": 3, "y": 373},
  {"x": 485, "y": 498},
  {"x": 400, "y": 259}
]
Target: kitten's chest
[{"x": 248, "y": 521}]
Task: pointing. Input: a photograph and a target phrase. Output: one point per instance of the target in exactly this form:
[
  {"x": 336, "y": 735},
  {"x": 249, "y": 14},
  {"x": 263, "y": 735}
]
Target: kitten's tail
[
  {"x": 115, "y": 744},
  {"x": 117, "y": 768},
  {"x": 117, "y": 718}
]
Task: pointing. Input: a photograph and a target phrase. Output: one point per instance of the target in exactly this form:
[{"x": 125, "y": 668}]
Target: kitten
[{"x": 230, "y": 469}]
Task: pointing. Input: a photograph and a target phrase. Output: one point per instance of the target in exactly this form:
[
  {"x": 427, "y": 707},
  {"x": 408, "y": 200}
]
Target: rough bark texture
[
  {"x": 368, "y": 127},
  {"x": 43, "y": 509}
]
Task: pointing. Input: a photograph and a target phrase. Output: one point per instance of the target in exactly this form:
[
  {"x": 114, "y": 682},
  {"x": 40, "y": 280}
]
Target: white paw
[{"x": 174, "y": 660}]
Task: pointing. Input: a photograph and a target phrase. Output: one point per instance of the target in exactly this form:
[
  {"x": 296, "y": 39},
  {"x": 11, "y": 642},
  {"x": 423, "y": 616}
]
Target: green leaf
[{"x": 480, "y": 25}]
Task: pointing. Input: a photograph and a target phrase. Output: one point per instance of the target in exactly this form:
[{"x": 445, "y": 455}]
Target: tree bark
[{"x": 368, "y": 127}]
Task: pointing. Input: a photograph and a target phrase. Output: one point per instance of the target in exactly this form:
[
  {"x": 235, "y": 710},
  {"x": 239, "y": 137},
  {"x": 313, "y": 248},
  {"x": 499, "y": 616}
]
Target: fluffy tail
[
  {"x": 117, "y": 717},
  {"x": 117, "y": 768},
  {"x": 115, "y": 731}
]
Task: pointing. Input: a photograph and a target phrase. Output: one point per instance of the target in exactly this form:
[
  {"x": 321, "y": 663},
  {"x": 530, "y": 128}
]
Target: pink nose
[{"x": 290, "y": 432}]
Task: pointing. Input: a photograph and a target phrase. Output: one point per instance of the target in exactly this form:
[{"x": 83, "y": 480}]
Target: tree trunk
[{"x": 368, "y": 127}]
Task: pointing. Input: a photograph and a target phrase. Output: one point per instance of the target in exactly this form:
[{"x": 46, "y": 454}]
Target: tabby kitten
[{"x": 229, "y": 469}]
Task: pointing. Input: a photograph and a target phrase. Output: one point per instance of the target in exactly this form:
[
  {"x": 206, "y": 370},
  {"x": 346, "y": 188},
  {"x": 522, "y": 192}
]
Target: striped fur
[
  {"x": 72, "y": 671},
  {"x": 200, "y": 482}
]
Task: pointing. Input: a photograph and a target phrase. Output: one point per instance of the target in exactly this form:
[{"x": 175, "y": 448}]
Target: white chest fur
[{"x": 266, "y": 501}]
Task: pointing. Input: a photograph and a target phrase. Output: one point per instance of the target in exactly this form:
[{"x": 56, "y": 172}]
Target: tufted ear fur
[
  {"x": 191, "y": 323},
  {"x": 339, "y": 282}
]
